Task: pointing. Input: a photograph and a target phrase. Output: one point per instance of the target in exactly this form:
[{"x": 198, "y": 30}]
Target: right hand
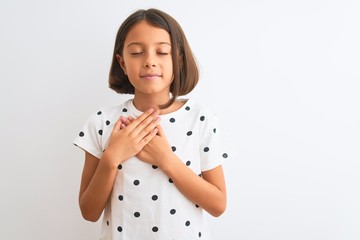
[{"x": 127, "y": 142}]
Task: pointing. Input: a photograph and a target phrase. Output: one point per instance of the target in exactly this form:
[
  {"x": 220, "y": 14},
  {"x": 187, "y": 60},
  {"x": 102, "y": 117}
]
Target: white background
[{"x": 283, "y": 75}]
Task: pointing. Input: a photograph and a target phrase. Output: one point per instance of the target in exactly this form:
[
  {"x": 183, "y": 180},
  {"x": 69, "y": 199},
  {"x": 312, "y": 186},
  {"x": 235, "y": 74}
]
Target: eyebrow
[{"x": 139, "y": 43}]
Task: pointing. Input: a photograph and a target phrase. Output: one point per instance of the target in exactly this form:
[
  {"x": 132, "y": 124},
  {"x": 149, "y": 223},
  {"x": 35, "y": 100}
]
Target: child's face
[{"x": 147, "y": 59}]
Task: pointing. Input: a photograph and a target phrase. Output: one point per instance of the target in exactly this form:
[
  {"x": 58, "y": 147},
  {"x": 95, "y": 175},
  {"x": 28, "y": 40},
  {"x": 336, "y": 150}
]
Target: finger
[
  {"x": 123, "y": 119},
  {"x": 140, "y": 119},
  {"x": 129, "y": 120},
  {"x": 161, "y": 131},
  {"x": 149, "y": 128},
  {"x": 117, "y": 125},
  {"x": 126, "y": 121},
  {"x": 144, "y": 124},
  {"x": 148, "y": 138}
]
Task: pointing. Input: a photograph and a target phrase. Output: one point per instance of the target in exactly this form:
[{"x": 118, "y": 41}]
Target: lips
[{"x": 150, "y": 76}]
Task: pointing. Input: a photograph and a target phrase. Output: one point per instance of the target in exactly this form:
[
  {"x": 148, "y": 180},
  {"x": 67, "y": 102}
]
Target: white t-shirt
[{"x": 144, "y": 203}]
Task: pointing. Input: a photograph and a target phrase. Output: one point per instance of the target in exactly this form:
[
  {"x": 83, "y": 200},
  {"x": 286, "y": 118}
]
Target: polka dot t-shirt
[{"x": 145, "y": 204}]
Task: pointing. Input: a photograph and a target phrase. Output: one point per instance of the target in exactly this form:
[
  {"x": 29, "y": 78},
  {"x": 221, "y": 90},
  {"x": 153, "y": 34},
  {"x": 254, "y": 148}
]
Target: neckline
[{"x": 137, "y": 112}]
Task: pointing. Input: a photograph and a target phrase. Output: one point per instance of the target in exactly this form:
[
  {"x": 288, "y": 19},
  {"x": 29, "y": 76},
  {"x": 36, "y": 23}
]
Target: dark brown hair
[{"x": 186, "y": 73}]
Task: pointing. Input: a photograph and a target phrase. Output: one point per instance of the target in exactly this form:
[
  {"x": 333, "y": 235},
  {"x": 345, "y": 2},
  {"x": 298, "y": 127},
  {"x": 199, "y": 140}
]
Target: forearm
[
  {"x": 205, "y": 194},
  {"x": 93, "y": 200}
]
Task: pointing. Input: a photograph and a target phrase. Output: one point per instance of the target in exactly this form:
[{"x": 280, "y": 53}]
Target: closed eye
[
  {"x": 162, "y": 53},
  {"x": 136, "y": 53}
]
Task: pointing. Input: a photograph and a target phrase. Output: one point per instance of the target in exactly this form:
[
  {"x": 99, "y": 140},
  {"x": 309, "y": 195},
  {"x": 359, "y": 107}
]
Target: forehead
[{"x": 145, "y": 33}]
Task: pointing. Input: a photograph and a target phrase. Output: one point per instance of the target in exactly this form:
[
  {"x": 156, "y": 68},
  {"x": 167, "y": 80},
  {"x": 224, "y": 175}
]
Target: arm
[
  {"x": 96, "y": 185},
  {"x": 99, "y": 174},
  {"x": 209, "y": 192}
]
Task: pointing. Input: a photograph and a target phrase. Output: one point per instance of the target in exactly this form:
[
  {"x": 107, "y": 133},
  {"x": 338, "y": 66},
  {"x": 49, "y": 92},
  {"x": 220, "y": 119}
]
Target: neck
[{"x": 144, "y": 103}]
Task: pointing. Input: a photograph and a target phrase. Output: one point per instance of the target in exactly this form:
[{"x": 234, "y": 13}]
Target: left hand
[{"x": 157, "y": 151}]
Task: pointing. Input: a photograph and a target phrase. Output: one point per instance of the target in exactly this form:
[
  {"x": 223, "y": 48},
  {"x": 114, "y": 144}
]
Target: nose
[
  {"x": 149, "y": 65},
  {"x": 149, "y": 62}
]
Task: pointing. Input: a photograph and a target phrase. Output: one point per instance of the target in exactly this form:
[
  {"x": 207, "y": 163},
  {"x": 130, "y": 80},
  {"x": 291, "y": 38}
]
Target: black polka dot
[
  {"x": 100, "y": 132},
  {"x": 154, "y": 197},
  {"x": 189, "y": 133},
  {"x": 197, "y": 206},
  {"x": 199, "y": 234},
  {"x": 81, "y": 134},
  {"x": 173, "y": 148},
  {"x": 136, "y": 214},
  {"x": 107, "y": 223},
  {"x": 187, "y": 108},
  {"x": 107, "y": 122},
  {"x": 170, "y": 180},
  {"x": 199, "y": 175},
  {"x": 119, "y": 166},
  {"x": 225, "y": 155},
  {"x": 99, "y": 113},
  {"x": 172, "y": 120},
  {"x": 155, "y": 229},
  {"x": 172, "y": 211},
  {"x": 202, "y": 118},
  {"x": 187, "y": 223},
  {"x": 154, "y": 166},
  {"x": 119, "y": 229},
  {"x": 206, "y": 149},
  {"x": 121, "y": 197},
  {"x": 136, "y": 182},
  {"x": 124, "y": 110},
  {"x": 214, "y": 130},
  {"x": 188, "y": 163}
]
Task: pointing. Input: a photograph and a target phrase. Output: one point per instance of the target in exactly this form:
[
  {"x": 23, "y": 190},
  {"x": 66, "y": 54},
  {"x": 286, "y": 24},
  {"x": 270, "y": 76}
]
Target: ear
[{"x": 121, "y": 61}]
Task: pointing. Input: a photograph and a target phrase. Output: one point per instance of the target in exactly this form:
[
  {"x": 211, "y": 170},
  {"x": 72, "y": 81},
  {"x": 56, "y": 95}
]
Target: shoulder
[
  {"x": 204, "y": 113},
  {"x": 109, "y": 114},
  {"x": 109, "y": 110},
  {"x": 201, "y": 116}
]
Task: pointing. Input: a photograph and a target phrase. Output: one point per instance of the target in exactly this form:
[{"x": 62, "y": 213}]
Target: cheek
[
  {"x": 131, "y": 69},
  {"x": 169, "y": 69}
]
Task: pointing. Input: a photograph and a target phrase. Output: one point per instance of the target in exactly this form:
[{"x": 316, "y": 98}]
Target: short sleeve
[
  {"x": 213, "y": 146},
  {"x": 89, "y": 137}
]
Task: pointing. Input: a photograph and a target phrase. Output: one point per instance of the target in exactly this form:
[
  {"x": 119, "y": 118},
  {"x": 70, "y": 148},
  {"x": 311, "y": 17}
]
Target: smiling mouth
[{"x": 150, "y": 76}]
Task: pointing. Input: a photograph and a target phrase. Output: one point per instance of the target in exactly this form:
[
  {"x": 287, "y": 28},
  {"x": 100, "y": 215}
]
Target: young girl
[{"x": 152, "y": 163}]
